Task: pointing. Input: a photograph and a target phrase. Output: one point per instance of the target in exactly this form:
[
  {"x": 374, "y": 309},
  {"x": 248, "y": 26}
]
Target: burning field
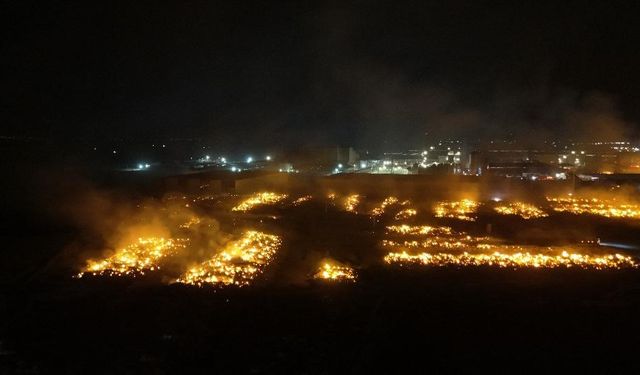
[
  {"x": 611, "y": 208},
  {"x": 239, "y": 263},
  {"x": 275, "y": 266},
  {"x": 203, "y": 249}
]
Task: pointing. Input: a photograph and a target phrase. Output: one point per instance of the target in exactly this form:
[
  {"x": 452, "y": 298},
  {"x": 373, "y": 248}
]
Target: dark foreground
[{"x": 428, "y": 320}]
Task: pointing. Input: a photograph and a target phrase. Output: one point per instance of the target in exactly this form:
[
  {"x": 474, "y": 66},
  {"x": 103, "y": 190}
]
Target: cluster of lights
[
  {"x": 524, "y": 210},
  {"x": 378, "y": 211},
  {"x": 461, "y": 210},
  {"x": 514, "y": 260},
  {"x": 238, "y": 264},
  {"x": 594, "y": 206},
  {"x": 351, "y": 202},
  {"x": 143, "y": 255},
  {"x": 405, "y": 214},
  {"x": 335, "y": 272},
  {"x": 259, "y": 199}
]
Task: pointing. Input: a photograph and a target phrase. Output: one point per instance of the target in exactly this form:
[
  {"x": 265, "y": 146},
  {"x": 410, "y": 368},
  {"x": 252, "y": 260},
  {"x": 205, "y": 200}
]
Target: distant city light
[
  {"x": 249, "y": 159},
  {"x": 114, "y": 151},
  {"x": 268, "y": 157},
  {"x": 223, "y": 159},
  {"x": 233, "y": 169},
  {"x": 207, "y": 157},
  {"x": 339, "y": 165}
]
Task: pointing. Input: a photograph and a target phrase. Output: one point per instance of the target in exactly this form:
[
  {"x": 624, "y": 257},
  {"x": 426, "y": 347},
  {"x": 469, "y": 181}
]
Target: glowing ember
[
  {"x": 405, "y": 214},
  {"x": 330, "y": 271},
  {"x": 515, "y": 260},
  {"x": 460, "y": 243},
  {"x": 594, "y": 206},
  {"x": 301, "y": 200},
  {"x": 136, "y": 258},
  {"x": 378, "y": 211},
  {"x": 351, "y": 202},
  {"x": 415, "y": 230},
  {"x": 238, "y": 264},
  {"x": 193, "y": 221},
  {"x": 259, "y": 199},
  {"x": 524, "y": 210},
  {"x": 461, "y": 210}
]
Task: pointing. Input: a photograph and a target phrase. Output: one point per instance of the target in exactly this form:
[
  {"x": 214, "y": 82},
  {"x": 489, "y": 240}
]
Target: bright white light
[
  {"x": 224, "y": 160},
  {"x": 335, "y": 170},
  {"x": 534, "y": 178},
  {"x": 363, "y": 164},
  {"x": 207, "y": 157},
  {"x": 496, "y": 199},
  {"x": 268, "y": 157},
  {"x": 140, "y": 166},
  {"x": 233, "y": 169},
  {"x": 146, "y": 165},
  {"x": 249, "y": 159},
  {"x": 339, "y": 165}
]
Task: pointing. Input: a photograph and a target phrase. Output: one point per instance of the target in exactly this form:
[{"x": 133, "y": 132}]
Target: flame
[
  {"x": 135, "y": 258},
  {"x": 191, "y": 222},
  {"x": 238, "y": 264},
  {"x": 259, "y": 199},
  {"x": 594, "y": 206},
  {"x": 515, "y": 260},
  {"x": 378, "y": 211},
  {"x": 418, "y": 229},
  {"x": 351, "y": 202},
  {"x": 461, "y": 210},
  {"x": 301, "y": 200},
  {"x": 405, "y": 214},
  {"x": 332, "y": 271},
  {"x": 524, "y": 210}
]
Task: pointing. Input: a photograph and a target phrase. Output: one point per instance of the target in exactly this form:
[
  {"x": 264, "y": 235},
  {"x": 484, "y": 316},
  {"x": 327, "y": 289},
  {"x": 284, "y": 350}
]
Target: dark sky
[{"x": 283, "y": 73}]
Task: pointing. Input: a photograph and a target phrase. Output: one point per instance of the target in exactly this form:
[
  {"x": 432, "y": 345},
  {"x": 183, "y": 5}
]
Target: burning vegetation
[
  {"x": 462, "y": 210},
  {"x": 172, "y": 235},
  {"x": 259, "y": 199},
  {"x": 405, "y": 214},
  {"x": 136, "y": 258},
  {"x": 238, "y": 264},
  {"x": 332, "y": 271},
  {"x": 351, "y": 202},
  {"x": 514, "y": 260},
  {"x": 378, "y": 211},
  {"x": 484, "y": 251},
  {"x": 612, "y": 208},
  {"x": 524, "y": 210}
]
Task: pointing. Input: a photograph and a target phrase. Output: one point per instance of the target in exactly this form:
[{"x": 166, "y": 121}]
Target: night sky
[{"x": 369, "y": 74}]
